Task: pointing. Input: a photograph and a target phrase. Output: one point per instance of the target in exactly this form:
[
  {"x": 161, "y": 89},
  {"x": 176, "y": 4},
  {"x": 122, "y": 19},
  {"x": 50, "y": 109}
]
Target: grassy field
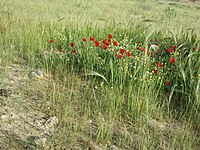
[{"x": 125, "y": 73}]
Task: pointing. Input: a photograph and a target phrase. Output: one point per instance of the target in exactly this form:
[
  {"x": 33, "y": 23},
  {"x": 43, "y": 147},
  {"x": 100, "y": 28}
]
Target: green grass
[{"x": 99, "y": 99}]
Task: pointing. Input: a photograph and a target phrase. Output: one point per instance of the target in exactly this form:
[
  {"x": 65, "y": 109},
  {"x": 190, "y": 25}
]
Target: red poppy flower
[
  {"x": 172, "y": 60},
  {"x": 72, "y": 44},
  {"x": 169, "y": 50},
  {"x": 174, "y": 47},
  {"x": 143, "y": 49},
  {"x": 105, "y": 47},
  {"x": 110, "y": 36},
  {"x": 128, "y": 54},
  {"x": 149, "y": 53},
  {"x": 109, "y": 40},
  {"x": 105, "y": 42},
  {"x": 115, "y": 43},
  {"x": 156, "y": 44},
  {"x": 159, "y": 64},
  {"x": 73, "y": 51},
  {"x": 121, "y": 50},
  {"x": 138, "y": 48},
  {"x": 96, "y": 43},
  {"x": 168, "y": 83},
  {"x": 155, "y": 71},
  {"x": 84, "y": 40},
  {"x": 91, "y": 38},
  {"x": 51, "y": 40},
  {"x": 119, "y": 56}
]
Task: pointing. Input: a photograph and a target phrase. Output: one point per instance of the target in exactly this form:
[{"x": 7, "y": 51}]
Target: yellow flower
[{"x": 136, "y": 58}]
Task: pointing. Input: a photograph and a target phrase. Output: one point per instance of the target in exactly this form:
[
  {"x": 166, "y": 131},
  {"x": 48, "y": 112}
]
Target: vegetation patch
[{"x": 101, "y": 78}]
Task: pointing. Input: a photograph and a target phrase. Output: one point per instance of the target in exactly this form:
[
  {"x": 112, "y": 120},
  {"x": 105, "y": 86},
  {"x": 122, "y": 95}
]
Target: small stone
[
  {"x": 157, "y": 125},
  {"x": 49, "y": 125},
  {"x": 40, "y": 141},
  {"x": 36, "y": 74},
  {"x": 51, "y": 121},
  {"x": 4, "y": 116},
  {"x": 113, "y": 147}
]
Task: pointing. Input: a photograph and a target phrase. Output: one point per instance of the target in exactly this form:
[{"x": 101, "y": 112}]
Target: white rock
[
  {"x": 157, "y": 125},
  {"x": 51, "y": 121},
  {"x": 4, "y": 116},
  {"x": 40, "y": 141},
  {"x": 49, "y": 125},
  {"x": 36, "y": 74},
  {"x": 113, "y": 147}
]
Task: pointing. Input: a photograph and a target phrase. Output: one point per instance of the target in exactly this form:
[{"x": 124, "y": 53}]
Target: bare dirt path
[{"x": 23, "y": 125}]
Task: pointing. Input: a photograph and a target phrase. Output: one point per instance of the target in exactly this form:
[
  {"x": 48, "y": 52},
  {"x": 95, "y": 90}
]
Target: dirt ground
[{"x": 23, "y": 125}]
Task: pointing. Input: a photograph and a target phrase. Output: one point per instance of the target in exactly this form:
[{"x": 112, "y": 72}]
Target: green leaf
[{"x": 94, "y": 73}]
